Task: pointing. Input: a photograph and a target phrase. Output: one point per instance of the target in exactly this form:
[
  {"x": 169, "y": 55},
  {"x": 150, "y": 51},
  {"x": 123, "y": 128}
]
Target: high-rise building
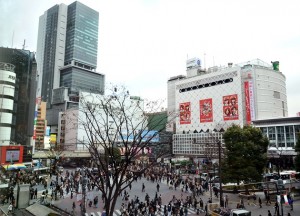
[
  {"x": 67, "y": 58},
  {"x": 67, "y": 51},
  {"x": 17, "y": 93}
]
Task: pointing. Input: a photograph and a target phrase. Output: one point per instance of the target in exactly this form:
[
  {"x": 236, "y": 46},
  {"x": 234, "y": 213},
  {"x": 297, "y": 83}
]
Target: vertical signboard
[
  {"x": 206, "y": 110},
  {"x": 185, "y": 113},
  {"x": 230, "y": 107},
  {"x": 249, "y": 101}
]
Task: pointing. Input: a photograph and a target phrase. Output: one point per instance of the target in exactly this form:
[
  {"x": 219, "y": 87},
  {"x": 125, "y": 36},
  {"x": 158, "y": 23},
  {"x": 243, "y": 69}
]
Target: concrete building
[
  {"x": 17, "y": 93},
  {"x": 67, "y": 58},
  {"x": 283, "y": 135},
  {"x": 210, "y": 101},
  {"x": 72, "y": 122},
  {"x": 7, "y": 92}
]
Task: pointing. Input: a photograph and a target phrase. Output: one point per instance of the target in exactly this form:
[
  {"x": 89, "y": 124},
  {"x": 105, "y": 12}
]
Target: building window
[
  {"x": 264, "y": 131},
  {"x": 289, "y": 132},
  {"x": 280, "y": 136},
  {"x": 297, "y": 129},
  {"x": 272, "y": 136},
  {"x": 276, "y": 95}
]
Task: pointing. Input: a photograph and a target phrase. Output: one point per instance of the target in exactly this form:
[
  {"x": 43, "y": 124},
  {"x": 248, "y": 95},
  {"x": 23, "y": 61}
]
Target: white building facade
[
  {"x": 210, "y": 101},
  {"x": 7, "y": 92},
  {"x": 72, "y": 134}
]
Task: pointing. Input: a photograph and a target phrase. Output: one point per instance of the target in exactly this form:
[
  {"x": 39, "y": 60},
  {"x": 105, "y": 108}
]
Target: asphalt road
[{"x": 167, "y": 194}]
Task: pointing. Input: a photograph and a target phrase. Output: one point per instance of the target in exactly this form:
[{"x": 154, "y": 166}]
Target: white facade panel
[
  {"x": 6, "y": 103},
  {"x": 6, "y": 118},
  {"x": 214, "y": 87},
  {"x": 5, "y": 135},
  {"x": 271, "y": 98}
]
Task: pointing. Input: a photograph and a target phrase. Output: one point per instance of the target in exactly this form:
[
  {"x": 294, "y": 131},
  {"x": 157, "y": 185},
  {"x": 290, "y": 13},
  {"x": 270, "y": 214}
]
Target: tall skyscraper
[
  {"x": 67, "y": 52},
  {"x": 67, "y": 58}
]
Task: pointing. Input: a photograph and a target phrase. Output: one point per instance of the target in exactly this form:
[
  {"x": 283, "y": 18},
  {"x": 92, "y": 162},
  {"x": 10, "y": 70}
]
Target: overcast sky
[{"x": 142, "y": 43}]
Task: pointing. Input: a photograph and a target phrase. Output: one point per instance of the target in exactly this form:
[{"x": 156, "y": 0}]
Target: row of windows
[
  {"x": 281, "y": 136},
  {"x": 210, "y": 84}
]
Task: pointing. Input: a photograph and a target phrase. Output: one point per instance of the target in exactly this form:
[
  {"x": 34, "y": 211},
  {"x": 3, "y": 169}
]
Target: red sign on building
[
  {"x": 206, "y": 110},
  {"x": 9, "y": 154},
  {"x": 230, "y": 107},
  {"x": 185, "y": 113}
]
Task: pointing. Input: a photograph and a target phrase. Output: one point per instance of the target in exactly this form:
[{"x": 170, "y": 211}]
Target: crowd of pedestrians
[{"x": 70, "y": 182}]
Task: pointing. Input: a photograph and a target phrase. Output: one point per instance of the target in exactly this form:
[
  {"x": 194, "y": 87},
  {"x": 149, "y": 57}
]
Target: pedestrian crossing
[
  {"x": 191, "y": 211},
  {"x": 98, "y": 213}
]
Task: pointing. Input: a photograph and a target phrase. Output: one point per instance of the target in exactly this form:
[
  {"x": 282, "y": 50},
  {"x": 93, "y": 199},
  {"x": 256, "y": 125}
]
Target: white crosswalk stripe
[{"x": 116, "y": 213}]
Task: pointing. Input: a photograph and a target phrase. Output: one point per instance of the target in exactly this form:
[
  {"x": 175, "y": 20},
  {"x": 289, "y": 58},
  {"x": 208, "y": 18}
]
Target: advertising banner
[
  {"x": 251, "y": 99},
  {"x": 206, "y": 110},
  {"x": 12, "y": 155},
  {"x": 247, "y": 102},
  {"x": 136, "y": 150},
  {"x": 230, "y": 107},
  {"x": 146, "y": 136},
  {"x": 185, "y": 113}
]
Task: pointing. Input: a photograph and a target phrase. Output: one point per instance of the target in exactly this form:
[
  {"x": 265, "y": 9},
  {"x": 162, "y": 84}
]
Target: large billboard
[
  {"x": 185, "y": 113},
  {"x": 146, "y": 135},
  {"x": 206, "y": 110},
  {"x": 10, "y": 154},
  {"x": 137, "y": 150},
  {"x": 230, "y": 107}
]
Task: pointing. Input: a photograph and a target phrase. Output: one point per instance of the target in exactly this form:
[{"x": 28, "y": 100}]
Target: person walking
[
  {"x": 268, "y": 199},
  {"x": 157, "y": 187},
  {"x": 143, "y": 187},
  {"x": 96, "y": 202},
  {"x": 269, "y": 213},
  {"x": 226, "y": 201},
  {"x": 35, "y": 193},
  {"x": 73, "y": 207},
  {"x": 276, "y": 209},
  {"x": 291, "y": 202},
  {"x": 259, "y": 202}
]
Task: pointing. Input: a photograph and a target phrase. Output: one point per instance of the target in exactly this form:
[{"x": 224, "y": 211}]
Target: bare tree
[
  {"x": 55, "y": 154},
  {"x": 117, "y": 133}
]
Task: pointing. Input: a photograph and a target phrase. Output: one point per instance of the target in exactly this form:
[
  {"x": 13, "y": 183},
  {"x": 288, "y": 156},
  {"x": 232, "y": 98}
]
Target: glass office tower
[
  {"x": 67, "y": 41},
  {"x": 82, "y": 36}
]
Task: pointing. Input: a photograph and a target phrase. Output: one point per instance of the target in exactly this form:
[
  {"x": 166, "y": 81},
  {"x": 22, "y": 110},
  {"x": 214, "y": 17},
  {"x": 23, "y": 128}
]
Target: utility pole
[
  {"x": 220, "y": 174},
  {"x": 83, "y": 190}
]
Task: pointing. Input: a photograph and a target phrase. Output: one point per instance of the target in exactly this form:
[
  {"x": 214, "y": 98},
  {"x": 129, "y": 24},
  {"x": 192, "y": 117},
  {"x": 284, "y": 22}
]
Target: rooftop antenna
[
  {"x": 24, "y": 44},
  {"x": 12, "y": 39}
]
